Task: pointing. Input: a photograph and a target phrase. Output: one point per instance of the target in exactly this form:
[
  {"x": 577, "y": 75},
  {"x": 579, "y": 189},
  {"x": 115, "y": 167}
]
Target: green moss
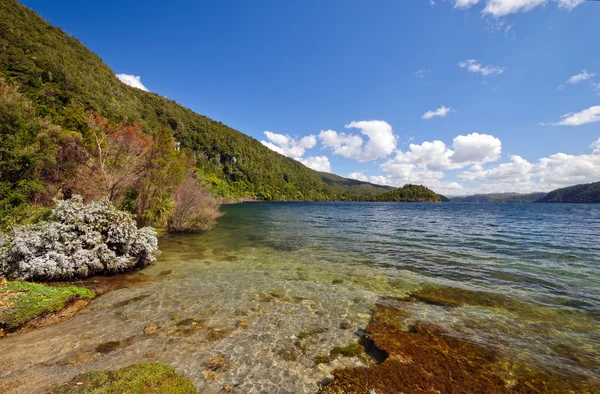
[
  {"x": 322, "y": 359},
  {"x": 347, "y": 351},
  {"x": 135, "y": 379},
  {"x": 23, "y": 301}
]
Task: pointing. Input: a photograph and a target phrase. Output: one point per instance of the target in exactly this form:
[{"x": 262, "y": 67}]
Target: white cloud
[
  {"x": 596, "y": 146},
  {"x": 586, "y": 116},
  {"x": 133, "y": 81},
  {"x": 583, "y": 76},
  {"x": 474, "y": 66},
  {"x": 476, "y": 148},
  {"x": 426, "y": 163},
  {"x": 442, "y": 112},
  {"x": 288, "y": 146},
  {"x": 549, "y": 173},
  {"x": 317, "y": 163},
  {"x": 500, "y": 8},
  {"x": 465, "y": 3},
  {"x": 294, "y": 148},
  {"x": 381, "y": 140},
  {"x": 359, "y": 176}
]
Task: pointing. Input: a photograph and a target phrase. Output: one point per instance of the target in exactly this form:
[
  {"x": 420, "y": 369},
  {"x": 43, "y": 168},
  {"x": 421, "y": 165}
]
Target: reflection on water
[{"x": 276, "y": 285}]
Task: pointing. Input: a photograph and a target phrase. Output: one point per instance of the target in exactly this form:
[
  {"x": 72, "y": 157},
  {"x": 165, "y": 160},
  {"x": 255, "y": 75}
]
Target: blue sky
[{"x": 345, "y": 86}]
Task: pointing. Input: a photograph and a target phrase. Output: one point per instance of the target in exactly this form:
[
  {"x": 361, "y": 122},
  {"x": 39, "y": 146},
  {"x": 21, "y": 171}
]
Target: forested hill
[
  {"x": 409, "y": 193},
  {"x": 352, "y": 187},
  {"x": 586, "y": 193},
  {"x": 500, "y": 197},
  {"x": 65, "y": 81}
]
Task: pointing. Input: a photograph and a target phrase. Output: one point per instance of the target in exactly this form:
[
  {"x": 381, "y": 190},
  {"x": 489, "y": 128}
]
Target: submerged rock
[{"x": 425, "y": 359}]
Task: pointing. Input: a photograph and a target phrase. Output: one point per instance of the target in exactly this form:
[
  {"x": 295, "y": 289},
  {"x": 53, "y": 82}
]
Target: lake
[{"x": 276, "y": 284}]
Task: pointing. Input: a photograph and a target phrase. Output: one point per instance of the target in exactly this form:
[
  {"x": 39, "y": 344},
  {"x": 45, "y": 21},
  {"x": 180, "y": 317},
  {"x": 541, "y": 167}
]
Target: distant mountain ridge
[
  {"x": 585, "y": 193},
  {"x": 500, "y": 197}
]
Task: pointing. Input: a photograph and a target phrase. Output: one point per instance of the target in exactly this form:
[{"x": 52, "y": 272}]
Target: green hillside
[
  {"x": 500, "y": 197},
  {"x": 585, "y": 193},
  {"x": 64, "y": 81},
  {"x": 352, "y": 187},
  {"x": 409, "y": 193}
]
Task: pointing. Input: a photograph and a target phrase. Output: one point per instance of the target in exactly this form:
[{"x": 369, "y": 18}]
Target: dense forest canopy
[
  {"x": 500, "y": 197},
  {"x": 409, "y": 193},
  {"x": 586, "y": 193}
]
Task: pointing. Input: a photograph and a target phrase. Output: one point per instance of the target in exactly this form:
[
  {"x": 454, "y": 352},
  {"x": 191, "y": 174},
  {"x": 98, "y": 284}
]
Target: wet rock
[
  {"x": 215, "y": 363},
  {"x": 351, "y": 350},
  {"x": 426, "y": 359},
  {"x": 151, "y": 329},
  {"x": 288, "y": 354},
  {"x": 346, "y": 325},
  {"x": 215, "y": 334},
  {"x": 108, "y": 347},
  {"x": 131, "y": 300},
  {"x": 263, "y": 297},
  {"x": 321, "y": 359},
  {"x": 242, "y": 324},
  {"x": 211, "y": 376}
]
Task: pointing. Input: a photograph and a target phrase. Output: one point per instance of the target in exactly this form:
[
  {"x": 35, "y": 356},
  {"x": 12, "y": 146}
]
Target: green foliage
[
  {"x": 128, "y": 203},
  {"x": 25, "y": 300},
  {"x": 135, "y": 379},
  {"x": 349, "y": 189},
  {"x": 500, "y": 197},
  {"x": 409, "y": 193},
  {"x": 64, "y": 81},
  {"x": 24, "y": 214},
  {"x": 585, "y": 193}
]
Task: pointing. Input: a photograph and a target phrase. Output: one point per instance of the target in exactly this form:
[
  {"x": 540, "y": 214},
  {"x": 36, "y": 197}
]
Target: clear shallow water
[{"x": 531, "y": 275}]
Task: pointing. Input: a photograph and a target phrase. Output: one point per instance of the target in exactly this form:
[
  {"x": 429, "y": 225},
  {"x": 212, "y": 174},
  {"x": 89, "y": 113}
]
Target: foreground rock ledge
[{"x": 424, "y": 359}]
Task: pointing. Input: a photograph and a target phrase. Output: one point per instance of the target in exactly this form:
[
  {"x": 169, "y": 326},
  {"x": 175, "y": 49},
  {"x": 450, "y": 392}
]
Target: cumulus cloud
[
  {"x": 474, "y": 66},
  {"x": 295, "y": 149},
  {"x": 548, "y": 173},
  {"x": 359, "y": 176},
  {"x": 586, "y": 116},
  {"x": 289, "y": 146},
  {"x": 427, "y": 163},
  {"x": 133, "y": 81},
  {"x": 596, "y": 146},
  {"x": 317, "y": 163},
  {"x": 442, "y": 112},
  {"x": 500, "y": 8},
  {"x": 476, "y": 148},
  {"x": 381, "y": 140},
  {"x": 465, "y": 3}
]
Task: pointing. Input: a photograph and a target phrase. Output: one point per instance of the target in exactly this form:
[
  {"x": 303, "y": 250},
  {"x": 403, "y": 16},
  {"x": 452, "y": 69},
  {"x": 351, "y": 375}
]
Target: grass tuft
[
  {"x": 135, "y": 379},
  {"x": 20, "y": 301}
]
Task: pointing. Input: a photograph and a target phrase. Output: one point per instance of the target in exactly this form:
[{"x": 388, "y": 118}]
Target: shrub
[
  {"x": 77, "y": 241},
  {"x": 196, "y": 209}
]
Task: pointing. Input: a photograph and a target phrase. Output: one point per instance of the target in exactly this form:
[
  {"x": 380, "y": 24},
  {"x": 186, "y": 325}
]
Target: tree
[
  {"x": 118, "y": 156},
  {"x": 196, "y": 208}
]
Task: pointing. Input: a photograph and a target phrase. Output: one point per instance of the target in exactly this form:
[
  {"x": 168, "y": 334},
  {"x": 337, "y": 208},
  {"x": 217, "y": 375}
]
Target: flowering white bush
[{"x": 77, "y": 241}]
